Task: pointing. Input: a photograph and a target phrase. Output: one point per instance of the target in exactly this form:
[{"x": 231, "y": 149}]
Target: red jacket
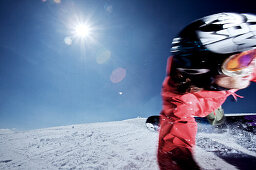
[{"x": 178, "y": 126}]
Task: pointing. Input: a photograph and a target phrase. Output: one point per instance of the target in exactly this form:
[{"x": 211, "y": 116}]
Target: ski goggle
[{"x": 241, "y": 64}]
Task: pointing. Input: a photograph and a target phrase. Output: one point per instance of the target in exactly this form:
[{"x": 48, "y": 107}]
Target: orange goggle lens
[{"x": 239, "y": 61}]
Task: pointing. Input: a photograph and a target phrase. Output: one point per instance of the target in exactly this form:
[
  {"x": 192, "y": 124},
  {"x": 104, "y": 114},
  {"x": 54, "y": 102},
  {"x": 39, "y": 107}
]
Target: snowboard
[
  {"x": 244, "y": 121},
  {"x": 153, "y": 123}
]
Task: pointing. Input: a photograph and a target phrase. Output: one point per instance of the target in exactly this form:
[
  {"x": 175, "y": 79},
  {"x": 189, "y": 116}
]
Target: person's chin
[{"x": 243, "y": 86}]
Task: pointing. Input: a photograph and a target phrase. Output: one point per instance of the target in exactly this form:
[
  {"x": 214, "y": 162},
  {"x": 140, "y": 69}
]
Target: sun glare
[{"x": 83, "y": 30}]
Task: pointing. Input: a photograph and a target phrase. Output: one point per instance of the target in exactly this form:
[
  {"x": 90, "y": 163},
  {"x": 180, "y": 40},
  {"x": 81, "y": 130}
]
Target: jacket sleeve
[{"x": 198, "y": 104}]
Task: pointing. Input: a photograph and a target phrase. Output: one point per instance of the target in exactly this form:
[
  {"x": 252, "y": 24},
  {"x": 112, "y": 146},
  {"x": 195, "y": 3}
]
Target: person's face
[
  {"x": 237, "y": 70},
  {"x": 233, "y": 82}
]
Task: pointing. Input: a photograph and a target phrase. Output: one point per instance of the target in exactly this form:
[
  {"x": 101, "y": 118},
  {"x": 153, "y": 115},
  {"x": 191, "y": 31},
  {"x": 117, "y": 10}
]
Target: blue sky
[{"x": 115, "y": 75}]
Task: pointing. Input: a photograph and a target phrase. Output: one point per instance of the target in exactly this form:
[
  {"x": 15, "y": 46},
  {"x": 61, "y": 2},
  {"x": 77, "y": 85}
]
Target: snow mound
[
  {"x": 5, "y": 131},
  {"x": 126, "y": 145},
  {"x": 112, "y": 145}
]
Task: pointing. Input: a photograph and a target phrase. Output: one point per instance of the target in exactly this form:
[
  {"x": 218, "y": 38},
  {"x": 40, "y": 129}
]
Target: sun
[{"x": 83, "y": 30}]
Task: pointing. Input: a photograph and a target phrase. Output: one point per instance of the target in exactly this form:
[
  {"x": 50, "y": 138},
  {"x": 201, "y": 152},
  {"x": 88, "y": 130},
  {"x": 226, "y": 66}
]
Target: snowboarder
[{"x": 212, "y": 58}]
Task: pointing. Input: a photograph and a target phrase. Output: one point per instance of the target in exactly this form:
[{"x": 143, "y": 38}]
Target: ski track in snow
[{"x": 122, "y": 145}]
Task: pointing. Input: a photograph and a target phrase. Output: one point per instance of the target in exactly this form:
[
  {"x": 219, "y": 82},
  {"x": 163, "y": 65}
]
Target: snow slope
[{"x": 115, "y": 145}]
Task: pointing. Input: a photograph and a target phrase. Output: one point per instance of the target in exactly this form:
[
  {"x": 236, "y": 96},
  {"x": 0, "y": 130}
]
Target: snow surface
[{"x": 123, "y": 145}]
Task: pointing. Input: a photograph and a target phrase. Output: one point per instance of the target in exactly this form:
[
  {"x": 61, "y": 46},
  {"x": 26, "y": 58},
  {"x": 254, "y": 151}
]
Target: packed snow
[{"x": 126, "y": 145}]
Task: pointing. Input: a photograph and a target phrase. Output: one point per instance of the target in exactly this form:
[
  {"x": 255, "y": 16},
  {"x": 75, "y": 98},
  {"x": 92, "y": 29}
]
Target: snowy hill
[{"x": 115, "y": 145}]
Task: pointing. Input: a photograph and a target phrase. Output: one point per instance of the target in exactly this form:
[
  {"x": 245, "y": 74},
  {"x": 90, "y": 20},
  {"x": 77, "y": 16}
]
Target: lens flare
[
  {"x": 68, "y": 40},
  {"x": 103, "y": 57},
  {"x": 118, "y": 75},
  {"x": 57, "y": 1}
]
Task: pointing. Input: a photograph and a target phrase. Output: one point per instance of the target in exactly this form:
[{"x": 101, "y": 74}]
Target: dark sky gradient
[{"x": 45, "y": 82}]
